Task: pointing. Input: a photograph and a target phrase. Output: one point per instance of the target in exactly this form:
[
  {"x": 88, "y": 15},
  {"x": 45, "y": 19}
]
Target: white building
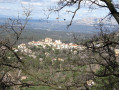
[
  {"x": 58, "y": 41},
  {"x": 48, "y": 40}
]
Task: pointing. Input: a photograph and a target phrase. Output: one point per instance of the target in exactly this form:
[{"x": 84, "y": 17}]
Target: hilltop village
[
  {"x": 54, "y": 44},
  {"x": 49, "y": 42},
  {"x": 57, "y": 44}
]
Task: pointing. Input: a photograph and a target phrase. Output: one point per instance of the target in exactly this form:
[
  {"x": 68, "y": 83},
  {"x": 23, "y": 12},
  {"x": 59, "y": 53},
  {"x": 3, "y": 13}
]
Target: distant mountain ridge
[
  {"x": 51, "y": 25},
  {"x": 82, "y": 25}
]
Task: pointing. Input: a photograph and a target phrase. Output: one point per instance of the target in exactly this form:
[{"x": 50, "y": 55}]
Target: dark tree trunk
[{"x": 112, "y": 10}]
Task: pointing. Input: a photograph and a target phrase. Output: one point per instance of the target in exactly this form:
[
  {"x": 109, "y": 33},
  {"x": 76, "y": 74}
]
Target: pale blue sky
[{"x": 11, "y": 8}]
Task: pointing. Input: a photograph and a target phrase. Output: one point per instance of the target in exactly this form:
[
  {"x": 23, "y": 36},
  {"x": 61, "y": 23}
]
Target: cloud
[
  {"x": 31, "y": 3},
  {"x": 9, "y": 1},
  {"x": 7, "y": 8},
  {"x": 14, "y": 1},
  {"x": 55, "y": 0},
  {"x": 39, "y": 5},
  {"x": 33, "y": 0}
]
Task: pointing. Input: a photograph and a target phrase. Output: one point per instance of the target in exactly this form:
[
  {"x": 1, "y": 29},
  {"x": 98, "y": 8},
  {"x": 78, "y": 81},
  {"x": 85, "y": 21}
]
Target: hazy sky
[{"x": 11, "y": 8}]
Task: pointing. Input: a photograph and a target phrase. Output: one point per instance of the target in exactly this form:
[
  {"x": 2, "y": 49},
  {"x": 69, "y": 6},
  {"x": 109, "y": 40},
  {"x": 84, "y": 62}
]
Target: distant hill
[
  {"x": 83, "y": 25},
  {"x": 60, "y": 26}
]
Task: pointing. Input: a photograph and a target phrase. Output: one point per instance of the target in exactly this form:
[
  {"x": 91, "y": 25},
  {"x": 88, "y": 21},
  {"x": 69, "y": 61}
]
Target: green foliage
[
  {"x": 106, "y": 82},
  {"x": 38, "y": 88}
]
